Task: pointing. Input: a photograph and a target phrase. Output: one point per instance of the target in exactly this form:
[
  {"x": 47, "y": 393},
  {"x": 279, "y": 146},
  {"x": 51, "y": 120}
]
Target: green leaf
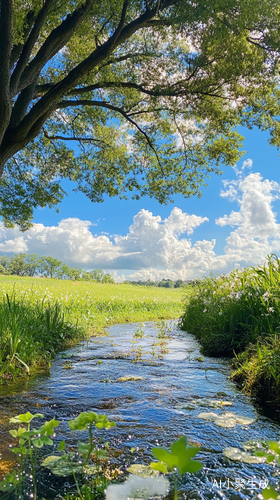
[
  {"x": 46, "y": 440},
  {"x": 62, "y": 466},
  {"x": 269, "y": 493},
  {"x": 179, "y": 458},
  {"x": 48, "y": 427},
  {"x": 25, "y": 417},
  {"x": 61, "y": 446},
  {"x": 38, "y": 443},
  {"x": 82, "y": 421},
  {"x": 13, "y": 433},
  {"x": 160, "y": 466}
]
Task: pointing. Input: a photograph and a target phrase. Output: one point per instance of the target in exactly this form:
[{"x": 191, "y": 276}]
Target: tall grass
[
  {"x": 31, "y": 333},
  {"x": 39, "y": 316},
  {"x": 228, "y": 312},
  {"x": 239, "y": 315}
]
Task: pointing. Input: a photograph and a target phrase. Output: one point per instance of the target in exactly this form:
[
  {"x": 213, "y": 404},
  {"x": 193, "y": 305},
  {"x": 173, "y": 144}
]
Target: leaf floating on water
[
  {"x": 225, "y": 422},
  {"x": 238, "y": 455},
  {"x": 61, "y": 466},
  {"x": 142, "y": 470},
  {"x": 227, "y": 419},
  {"x": 208, "y": 403},
  {"x": 128, "y": 378},
  {"x": 208, "y": 416}
]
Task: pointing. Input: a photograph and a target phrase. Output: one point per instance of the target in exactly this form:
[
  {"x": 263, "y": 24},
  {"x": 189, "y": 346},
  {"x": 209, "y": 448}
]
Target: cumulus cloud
[{"x": 156, "y": 248}]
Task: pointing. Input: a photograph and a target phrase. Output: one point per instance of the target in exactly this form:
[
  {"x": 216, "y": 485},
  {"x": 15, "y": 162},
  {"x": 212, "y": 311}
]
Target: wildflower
[
  {"x": 220, "y": 313},
  {"x": 266, "y": 296},
  {"x": 205, "y": 310},
  {"x": 271, "y": 309}
]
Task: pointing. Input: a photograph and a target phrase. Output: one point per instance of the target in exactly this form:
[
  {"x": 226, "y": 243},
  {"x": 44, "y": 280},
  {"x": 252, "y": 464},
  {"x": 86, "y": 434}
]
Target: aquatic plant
[
  {"x": 139, "y": 332},
  {"x": 179, "y": 459},
  {"x": 88, "y": 462}
]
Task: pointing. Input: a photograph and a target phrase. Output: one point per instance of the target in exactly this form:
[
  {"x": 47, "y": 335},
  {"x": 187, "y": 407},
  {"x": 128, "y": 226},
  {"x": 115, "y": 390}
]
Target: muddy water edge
[{"x": 172, "y": 386}]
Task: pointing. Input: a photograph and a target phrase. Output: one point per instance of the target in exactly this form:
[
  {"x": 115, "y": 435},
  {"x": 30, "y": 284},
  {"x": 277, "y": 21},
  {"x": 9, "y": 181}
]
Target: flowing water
[{"x": 154, "y": 410}]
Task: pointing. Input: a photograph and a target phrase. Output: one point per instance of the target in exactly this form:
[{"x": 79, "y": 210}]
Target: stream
[{"x": 175, "y": 385}]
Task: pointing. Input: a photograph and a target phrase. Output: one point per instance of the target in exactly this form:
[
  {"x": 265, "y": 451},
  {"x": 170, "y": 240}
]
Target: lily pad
[
  {"x": 61, "y": 466},
  {"x": 225, "y": 422},
  {"x": 227, "y": 419},
  {"x": 238, "y": 455},
  {"x": 204, "y": 402},
  {"x": 142, "y": 470},
  {"x": 208, "y": 416},
  {"x": 128, "y": 378}
]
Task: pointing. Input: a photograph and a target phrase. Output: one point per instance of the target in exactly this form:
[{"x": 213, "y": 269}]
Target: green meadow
[{"x": 40, "y": 316}]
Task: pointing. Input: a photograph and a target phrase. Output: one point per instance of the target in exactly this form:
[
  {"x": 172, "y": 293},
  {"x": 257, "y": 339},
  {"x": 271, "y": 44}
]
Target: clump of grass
[
  {"x": 257, "y": 370},
  {"x": 31, "y": 333},
  {"x": 227, "y": 313}
]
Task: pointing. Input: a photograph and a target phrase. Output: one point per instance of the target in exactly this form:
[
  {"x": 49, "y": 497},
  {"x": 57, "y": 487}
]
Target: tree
[
  {"x": 4, "y": 263},
  {"x": 97, "y": 275},
  {"x": 17, "y": 264},
  {"x": 32, "y": 264},
  {"x": 50, "y": 266},
  {"x": 150, "y": 92},
  {"x": 107, "y": 278}
]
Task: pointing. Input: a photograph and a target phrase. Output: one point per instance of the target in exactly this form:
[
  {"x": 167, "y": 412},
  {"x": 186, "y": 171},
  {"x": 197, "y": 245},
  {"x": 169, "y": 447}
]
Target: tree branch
[
  {"x": 28, "y": 22},
  {"x": 74, "y": 138},
  {"x": 6, "y": 34},
  {"x": 103, "y": 104},
  {"x": 29, "y": 45},
  {"x": 47, "y": 103},
  {"x": 54, "y": 43}
]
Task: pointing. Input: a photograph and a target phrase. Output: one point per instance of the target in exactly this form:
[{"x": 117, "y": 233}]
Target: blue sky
[{"x": 167, "y": 241}]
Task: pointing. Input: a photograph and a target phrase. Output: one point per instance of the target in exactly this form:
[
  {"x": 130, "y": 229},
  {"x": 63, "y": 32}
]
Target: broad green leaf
[
  {"x": 38, "y": 443},
  {"x": 48, "y": 427},
  {"x": 25, "y": 418},
  {"x": 62, "y": 466},
  {"x": 61, "y": 446},
  {"x": 179, "y": 458}
]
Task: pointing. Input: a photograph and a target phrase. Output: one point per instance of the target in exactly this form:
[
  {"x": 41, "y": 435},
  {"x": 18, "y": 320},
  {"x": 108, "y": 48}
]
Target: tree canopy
[{"x": 129, "y": 97}]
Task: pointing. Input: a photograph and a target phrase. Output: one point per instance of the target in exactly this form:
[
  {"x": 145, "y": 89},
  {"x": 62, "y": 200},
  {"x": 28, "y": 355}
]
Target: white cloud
[{"x": 155, "y": 248}]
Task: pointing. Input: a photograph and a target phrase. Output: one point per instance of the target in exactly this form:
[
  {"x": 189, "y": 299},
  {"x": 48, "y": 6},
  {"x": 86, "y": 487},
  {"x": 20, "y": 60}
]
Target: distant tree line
[
  {"x": 165, "y": 283},
  {"x": 23, "y": 264}
]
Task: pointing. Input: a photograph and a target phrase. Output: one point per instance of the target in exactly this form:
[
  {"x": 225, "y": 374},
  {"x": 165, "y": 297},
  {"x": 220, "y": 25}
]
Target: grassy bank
[
  {"x": 38, "y": 317},
  {"x": 238, "y": 315}
]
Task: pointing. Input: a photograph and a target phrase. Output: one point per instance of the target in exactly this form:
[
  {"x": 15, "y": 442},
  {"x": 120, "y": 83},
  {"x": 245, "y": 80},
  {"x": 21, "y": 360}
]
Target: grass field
[{"x": 38, "y": 317}]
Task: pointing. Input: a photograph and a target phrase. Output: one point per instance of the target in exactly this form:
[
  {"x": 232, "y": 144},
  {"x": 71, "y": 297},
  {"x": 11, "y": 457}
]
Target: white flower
[
  {"x": 205, "y": 310},
  {"x": 271, "y": 309},
  {"x": 138, "y": 487},
  {"x": 220, "y": 313}
]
